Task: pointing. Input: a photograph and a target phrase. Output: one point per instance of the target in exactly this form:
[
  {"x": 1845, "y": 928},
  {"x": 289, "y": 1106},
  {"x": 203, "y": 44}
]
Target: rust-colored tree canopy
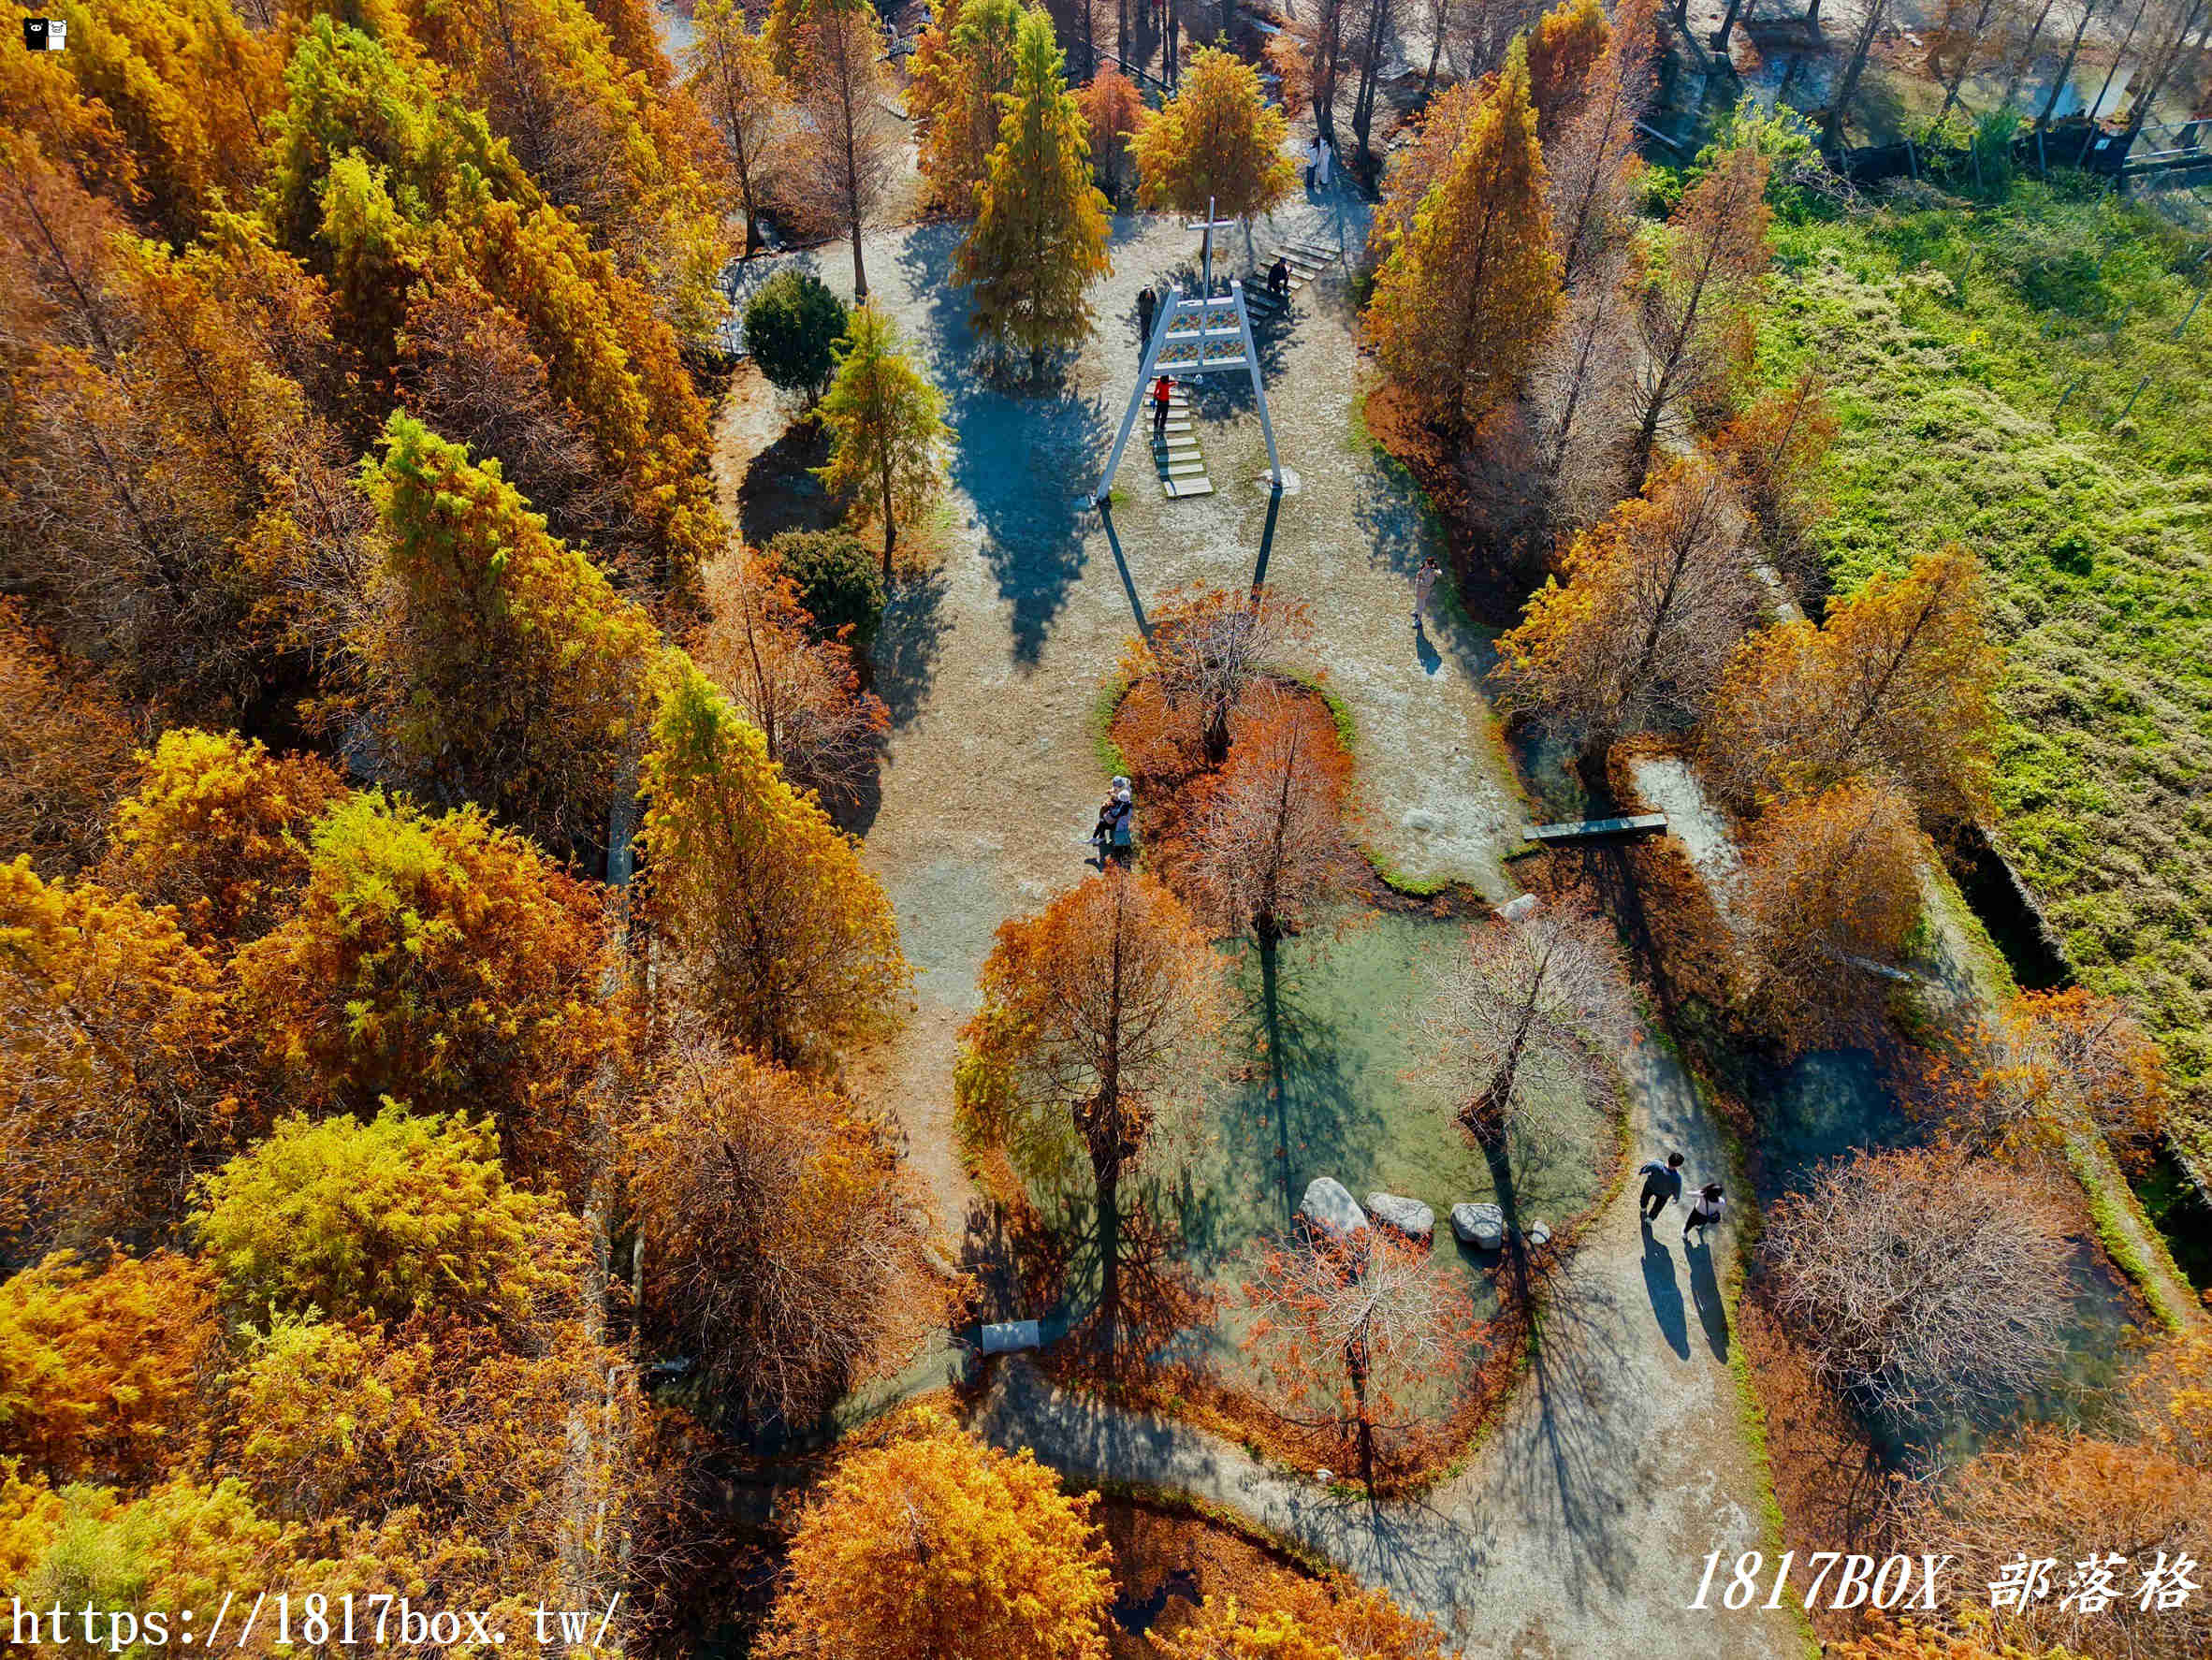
[
  {"x": 1656, "y": 598},
  {"x": 1269, "y": 848},
  {"x": 1899, "y": 684},
  {"x": 935, "y": 1544},
  {"x": 1096, "y": 1015},
  {"x": 785, "y": 1237}
]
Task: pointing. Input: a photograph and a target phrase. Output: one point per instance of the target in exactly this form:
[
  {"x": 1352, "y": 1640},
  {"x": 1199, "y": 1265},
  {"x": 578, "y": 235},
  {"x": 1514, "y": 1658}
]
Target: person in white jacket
[{"x": 1704, "y": 1210}]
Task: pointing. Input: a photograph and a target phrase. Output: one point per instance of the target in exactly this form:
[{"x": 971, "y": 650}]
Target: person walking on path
[
  {"x": 1663, "y": 1185},
  {"x": 1424, "y": 584},
  {"x": 1147, "y": 308},
  {"x": 1704, "y": 1212},
  {"x": 1162, "y": 390}
]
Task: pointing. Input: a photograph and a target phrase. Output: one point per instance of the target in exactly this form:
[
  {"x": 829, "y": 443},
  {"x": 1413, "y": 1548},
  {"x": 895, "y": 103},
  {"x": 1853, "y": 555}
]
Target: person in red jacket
[{"x": 1163, "y": 389}]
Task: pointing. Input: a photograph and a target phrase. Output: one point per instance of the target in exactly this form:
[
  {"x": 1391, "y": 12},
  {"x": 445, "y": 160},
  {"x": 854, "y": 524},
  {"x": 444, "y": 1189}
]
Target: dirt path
[
  {"x": 993, "y": 666},
  {"x": 1583, "y": 1526},
  {"x": 1580, "y": 1526}
]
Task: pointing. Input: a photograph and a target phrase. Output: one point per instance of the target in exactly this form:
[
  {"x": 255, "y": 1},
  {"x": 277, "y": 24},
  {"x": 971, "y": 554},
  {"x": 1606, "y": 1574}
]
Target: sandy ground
[{"x": 993, "y": 665}]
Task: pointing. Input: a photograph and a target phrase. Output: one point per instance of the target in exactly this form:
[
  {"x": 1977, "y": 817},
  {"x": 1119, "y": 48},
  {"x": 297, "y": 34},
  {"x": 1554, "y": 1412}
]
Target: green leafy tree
[
  {"x": 1466, "y": 296},
  {"x": 1039, "y": 233},
  {"x": 837, "y": 581},
  {"x": 503, "y": 667},
  {"x": 887, "y": 427},
  {"x": 792, "y": 327},
  {"x": 395, "y": 1217}
]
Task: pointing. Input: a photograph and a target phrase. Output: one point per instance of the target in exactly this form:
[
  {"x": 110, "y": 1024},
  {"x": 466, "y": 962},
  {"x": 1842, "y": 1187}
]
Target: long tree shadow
[
  {"x": 780, "y": 491},
  {"x": 906, "y": 644},
  {"x": 1022, "y": 456}
]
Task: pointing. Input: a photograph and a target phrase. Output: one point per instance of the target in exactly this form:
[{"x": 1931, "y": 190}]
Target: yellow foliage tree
[
  {"x": 1466, "y": 296},
  {"x": 504, "y": 669},
  {"x": 443, "y": 962},
  {"x": 218, "y": 828},
  {"x": 1039, "y": 239},
  {"x": 936, "y": 1544},
  {"x": 970, "y": 81},
  {"x": 100, "y": 1370},
  {"x": 1216, "y": 141},
  {"x": 1288, "y": 1618},
  {"x": 397, "y": 1216},
  {"x": 193, "y": 90},
  {"x": 1900, "y": 683},
  {"x": 114, "y": 1061},
  {"x": 784, "y": 942}
]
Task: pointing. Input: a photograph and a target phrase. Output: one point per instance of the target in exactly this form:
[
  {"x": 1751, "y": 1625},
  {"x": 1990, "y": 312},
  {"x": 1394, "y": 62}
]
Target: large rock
[
  {"x": 1409, "y": 1217},
  {"x": 1482, "y": 1226},
  {"x": 1330, "y": 1208}
]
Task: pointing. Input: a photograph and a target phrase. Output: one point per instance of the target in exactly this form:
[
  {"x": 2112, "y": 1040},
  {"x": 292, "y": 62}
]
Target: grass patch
[{"x": 1981, "y": 361}]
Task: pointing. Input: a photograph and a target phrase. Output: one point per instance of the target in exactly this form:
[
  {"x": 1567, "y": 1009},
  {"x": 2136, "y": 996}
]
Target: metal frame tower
[{"x": 1212, "y": 321}]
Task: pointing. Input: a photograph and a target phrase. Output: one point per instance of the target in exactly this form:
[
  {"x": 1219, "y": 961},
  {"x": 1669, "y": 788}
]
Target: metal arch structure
[{"x": 1200, "y": 346}]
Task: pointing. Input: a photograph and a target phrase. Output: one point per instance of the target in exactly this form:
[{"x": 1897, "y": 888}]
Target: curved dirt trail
[
  {"x": 1583, "y": 1524},
  {"x": 1580, "y": 1526},
  {"x": 993, "y": 666}
]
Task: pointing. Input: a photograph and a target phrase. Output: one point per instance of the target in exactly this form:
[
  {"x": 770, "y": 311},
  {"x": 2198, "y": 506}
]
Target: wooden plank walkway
[{"x": 1574, "y": 829}]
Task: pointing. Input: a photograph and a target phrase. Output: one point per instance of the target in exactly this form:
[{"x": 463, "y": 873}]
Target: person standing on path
[
  {"x": 1663, "y": 1185},
  {"x": 1424, "y": 584},
  {"x": 1162, "y": 390},
  {"x": 1704, "y": 1212},
  {"x": 1312, "y": 160},
  {"x": 1147, "y": 308},
  {"x": 1323, "y": 155}
]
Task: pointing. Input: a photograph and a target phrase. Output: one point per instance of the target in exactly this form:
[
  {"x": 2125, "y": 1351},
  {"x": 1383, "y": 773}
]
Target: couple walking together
[{"x": 1662, "y": 1183}]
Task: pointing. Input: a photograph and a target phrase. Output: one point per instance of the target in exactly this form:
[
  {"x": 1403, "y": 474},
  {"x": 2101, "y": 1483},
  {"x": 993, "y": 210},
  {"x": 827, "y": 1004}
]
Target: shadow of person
[
  {"x": 1424, "y": 649},
  {"x": 1667, "y": 1297},
  {"x": 1705, "y": 1291}
]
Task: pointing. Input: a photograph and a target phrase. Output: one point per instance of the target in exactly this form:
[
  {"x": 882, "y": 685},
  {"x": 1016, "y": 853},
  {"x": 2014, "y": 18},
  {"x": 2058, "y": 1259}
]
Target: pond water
[
  {"x": 1325, "y": 1072},
  {"x": 1825, "y": 1106}
]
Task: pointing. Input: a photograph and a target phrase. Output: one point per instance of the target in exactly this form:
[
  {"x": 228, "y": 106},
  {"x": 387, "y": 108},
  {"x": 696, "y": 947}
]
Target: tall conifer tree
[
  {"x": 1465, "y": 298},
  {"x": 1040, "y": 234}
]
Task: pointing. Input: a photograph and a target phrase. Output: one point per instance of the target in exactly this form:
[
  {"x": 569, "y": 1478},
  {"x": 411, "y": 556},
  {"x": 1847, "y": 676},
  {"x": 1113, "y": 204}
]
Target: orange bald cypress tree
[
  {"x": 1562, "y": 49},
  {"x": 1465, "y": 298},
  {"x": 1900, "y": 682},
  {"x": 1095, "y": 1011},
  {"x": 936, "y": 1544}
]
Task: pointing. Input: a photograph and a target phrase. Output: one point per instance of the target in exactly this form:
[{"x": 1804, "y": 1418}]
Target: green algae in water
[{"x": 1326, "y": 1073}]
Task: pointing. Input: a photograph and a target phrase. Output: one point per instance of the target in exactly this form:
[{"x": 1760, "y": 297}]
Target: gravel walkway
[{"x": 994, "y": 666}]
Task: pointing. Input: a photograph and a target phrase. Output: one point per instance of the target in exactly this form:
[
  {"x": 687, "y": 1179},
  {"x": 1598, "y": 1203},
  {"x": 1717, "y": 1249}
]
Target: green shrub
[
  {"x": 838, "y": 580},
  {"x": 792, "y": 327}
]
